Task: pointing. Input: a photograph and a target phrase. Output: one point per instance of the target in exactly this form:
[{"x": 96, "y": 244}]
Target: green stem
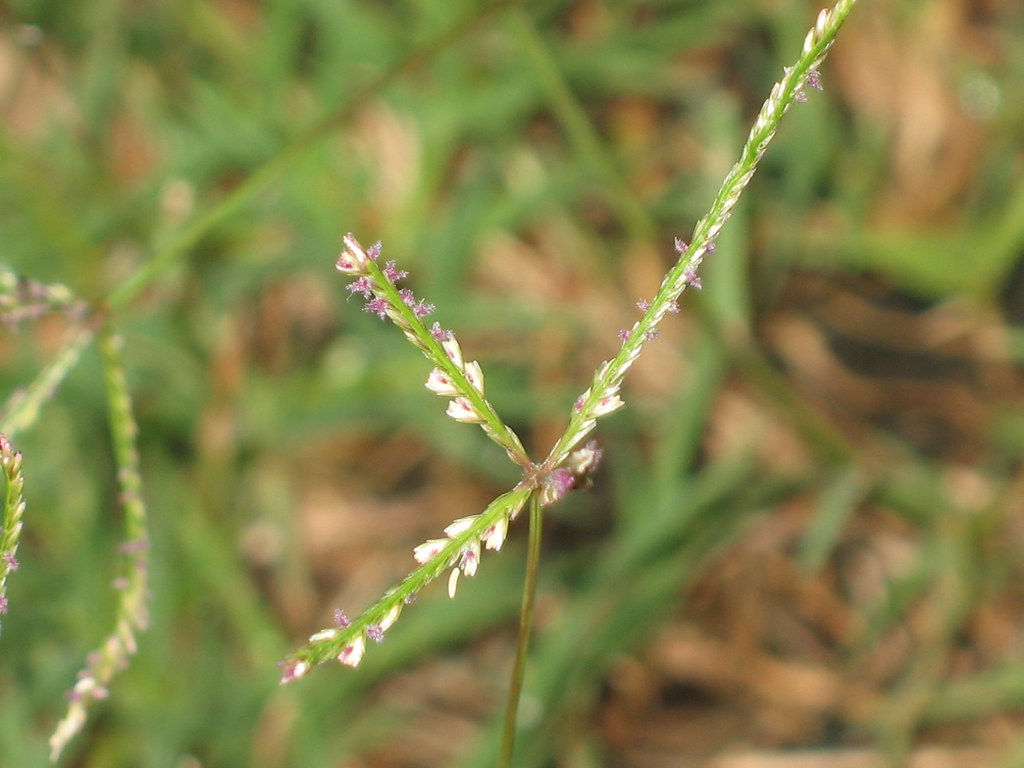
[{"x": 525, "y": 625}]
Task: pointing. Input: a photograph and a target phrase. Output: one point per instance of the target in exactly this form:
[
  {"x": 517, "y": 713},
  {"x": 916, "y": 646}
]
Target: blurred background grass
[{"x": 804, "y": 547}]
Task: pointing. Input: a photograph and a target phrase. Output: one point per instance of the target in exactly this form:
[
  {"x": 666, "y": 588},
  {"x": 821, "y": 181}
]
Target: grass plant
[{"x": 788, "y": 543}]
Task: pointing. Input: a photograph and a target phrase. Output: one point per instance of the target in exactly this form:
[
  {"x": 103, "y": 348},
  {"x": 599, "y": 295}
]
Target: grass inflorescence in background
[
  {"x": 23, "y": 300},
  {"x": 14, "y": 508},
  {"x": 803, "y": 529}
]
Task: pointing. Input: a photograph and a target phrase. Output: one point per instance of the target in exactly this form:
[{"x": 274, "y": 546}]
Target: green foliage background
[{"x": 819, "y": 467}]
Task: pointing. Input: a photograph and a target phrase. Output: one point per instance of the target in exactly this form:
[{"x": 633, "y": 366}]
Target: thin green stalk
[
  {"x": 22, "y": 407},
  {"x": 525, "y": 625}
]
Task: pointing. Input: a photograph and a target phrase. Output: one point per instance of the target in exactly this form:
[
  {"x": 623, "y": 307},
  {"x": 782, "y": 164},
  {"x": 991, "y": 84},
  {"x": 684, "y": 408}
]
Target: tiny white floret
[
  {"x": 353, "y": 653},
  {"x": 439, "y": 383},
  {"x": 461, "y": 525},
  {"x": 428, "y": 550},
  {"x": 475, "y": 375},
  {"x": 323, "y": 634},
  {"x": 494, "y": 536},
  {"x": 461, "y": 409}
]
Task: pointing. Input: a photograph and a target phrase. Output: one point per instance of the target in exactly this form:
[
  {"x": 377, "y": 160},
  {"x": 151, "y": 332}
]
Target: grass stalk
[{"x": 515, "y": 688}]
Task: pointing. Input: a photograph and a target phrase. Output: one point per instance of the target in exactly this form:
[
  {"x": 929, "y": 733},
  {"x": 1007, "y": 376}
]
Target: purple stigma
[
  {"x": 377, "y": 306},
  {"x": 393, "y": 273}
]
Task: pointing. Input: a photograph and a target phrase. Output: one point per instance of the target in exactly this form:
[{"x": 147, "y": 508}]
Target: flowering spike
[
  {"x": 459, "y": 554},
  {"x": 377, "y": 285}
]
